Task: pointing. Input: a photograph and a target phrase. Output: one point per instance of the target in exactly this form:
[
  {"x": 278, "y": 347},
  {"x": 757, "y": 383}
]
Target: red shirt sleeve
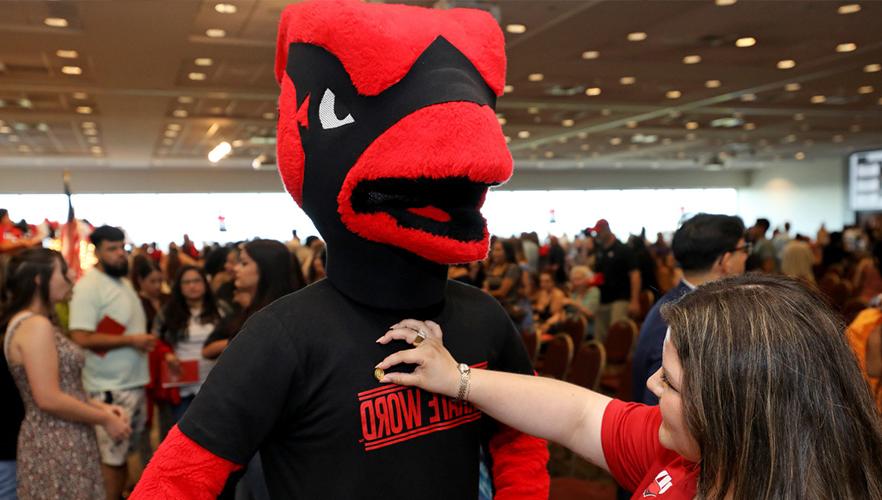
[{"x": 629, "y": 436}]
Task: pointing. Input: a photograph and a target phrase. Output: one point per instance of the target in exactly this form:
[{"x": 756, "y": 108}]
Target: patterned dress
[{"x": 57, "y": 459}]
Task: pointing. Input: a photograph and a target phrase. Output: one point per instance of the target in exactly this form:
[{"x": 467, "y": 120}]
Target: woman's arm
[
  {"x": 874, "y": 352},
  {"x": 214, "y": 349},
  {"x": 558, "y": 411},
  {"x": 36, "y": 344}
]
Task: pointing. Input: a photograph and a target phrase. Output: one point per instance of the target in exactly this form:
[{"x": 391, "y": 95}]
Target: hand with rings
[{"x": 436, "y": 369}]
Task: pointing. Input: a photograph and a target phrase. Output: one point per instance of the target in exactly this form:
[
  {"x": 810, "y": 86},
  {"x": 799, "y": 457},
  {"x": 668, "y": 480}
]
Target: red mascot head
[{"x": 387, "y": 127}]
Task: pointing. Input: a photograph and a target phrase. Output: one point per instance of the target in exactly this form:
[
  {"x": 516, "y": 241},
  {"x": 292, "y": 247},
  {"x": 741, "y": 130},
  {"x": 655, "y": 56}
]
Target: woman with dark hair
[
  {"x": 760, "y": 398},
  {"x": 185, "y": 323},
  {"x": 57, "y": 447},
  {"x": 504, "y": 281},
  {"x": 548, "y": 302},
  {"x": 147, "y": 280}
]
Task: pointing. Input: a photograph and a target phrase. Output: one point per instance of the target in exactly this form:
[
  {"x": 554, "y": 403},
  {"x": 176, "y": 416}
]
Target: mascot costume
[{"x": 389, "y": 141}]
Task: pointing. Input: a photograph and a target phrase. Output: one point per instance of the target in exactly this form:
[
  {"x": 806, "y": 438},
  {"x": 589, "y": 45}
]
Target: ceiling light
[
  {"x": 549, "y": 154},
  {"x": 637, "y": 36},
  {"x": 673, "y": 94},
  {"x": 725, "y": 3},
  {"x": 13, "y": 138},
  {"x": 203, "y": 61},
  {"x": 872, "y": 68},
  {"x": 24, "y": 148},
  {"x": 692, "y": 59},
  {"x": 180, "y": 113},
  {"x": 66, "y": 54},
  {"x": 90, "y": 131},
  {"x": 749, "y": 126},
  {"x": 865, "y": 89},
  {"x": 849, "y": 8},
  {"x": 501, "y": 119},
  {"x": 846, "y": 47},
  {"x": 792, "y": 87},
  {"x": 42, "y": 127},
  {"x": 533, "y": 110},
  {"x": 516, "y": 29},
  {"x": 691, "y": 125},
  {"x": 799, "y": 155},
  {"x": 84, "y": 110},
  {"x": 627, "y": 80},
  {"x": 5, "y": 130},
  {"x": 799, "y": 117},
  {"x": 748, "y": 97},
  {"x": 536, "y": 77},
  {"x": 507, "y": 139},
  {"x": 269, "y": 115},
  {"x": 712, "y": 84},
  {"x": 508, "y": 89},
  {"x": 690, "y": 136},
  {"x": 880, "y": 101},
  {"x": 615, "y": 141},
  {"x": 226, "y": 8},
  {"x": 88, "y": 124},
  {"x": 855, "y": 128},
  {"x": 747, "y": 41},
  {"x": 605, "y": 111},
  {"x": 215, "y": 33},
  {"x": 196, "y": 76},
  {"x": 92, "y": 140},
  {"x": 838, "y": 138},
  {"x": 592, "y": 91},
  {"x": 524, "y": 134},
  {"x": 568, "y": 123},
  {"x": 55, "y": 22},
  {"x": 96, "y": 150},
  {"x": 786, "y": 64},
  {"x": 219, "y": 152},
  {"x": 174, "y": 126},
  {"x": 168, "y": 141},
  {"x": 185, "y": 99},
  {"x": 585, "y": 147},
  {"x": 590, "y": 54},
  {"x": 25, "y": 103},
  {"x": 818, "y": 99},
  {"x": 72, "y": 70},
  {"x": 171, "y": 133}
]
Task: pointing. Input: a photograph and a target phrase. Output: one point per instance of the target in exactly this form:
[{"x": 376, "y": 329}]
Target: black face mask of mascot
[{"x": 378, "y": 274}]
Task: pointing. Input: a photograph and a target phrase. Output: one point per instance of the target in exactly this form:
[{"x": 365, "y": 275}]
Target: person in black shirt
[
  {"x": 620, "y": 285},
  {"x": 389, "y": 142}
]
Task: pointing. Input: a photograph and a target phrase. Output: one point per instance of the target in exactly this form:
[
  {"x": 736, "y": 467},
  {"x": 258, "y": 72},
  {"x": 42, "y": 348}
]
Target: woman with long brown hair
[{"x": 760, "y": 398}]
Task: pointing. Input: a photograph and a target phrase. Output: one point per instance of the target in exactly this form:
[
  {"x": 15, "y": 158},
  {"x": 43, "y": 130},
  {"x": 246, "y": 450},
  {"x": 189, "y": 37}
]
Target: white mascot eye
[{"x": 326, "y": 112}]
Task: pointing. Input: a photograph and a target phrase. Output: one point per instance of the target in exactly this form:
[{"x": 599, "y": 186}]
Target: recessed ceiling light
[
  {"x": 818, "y": 99},
  {"x": 507, "y": 139},
  {"x": 615, "y": 141},
  {"x": 196, "y": 76},
  {"x": 799, "y": 155},
  {"x": 855, "y": 128},
  {"x": 605, "y": 111},
  {"x": 725, "y": 3},
  {"x": 692, "y": 59},
  {"x": 691, "y": 137},
  {"x": 88, "y": 124},
  {"x": 501, "y": 119},
  {"x": 866, "y": 89},
  {"x": 269, "y": 115},
  {"x": 872, "y": 68},
  {"x": 185, "y": 99},
  {"x": 590, "y": 54},
  {"x": 712, "y": 84},
  {"x": 749, "y": 126},
  {"x": 180, "y": 113},
  {"x": 673, "y": 94},
  {"x": 13, "y": 138},
  {"x": 5, "y": 130},
  {"x": 568, "y": 123},
  {"x": 549, "y": 154},
  {"x": 174, "y": 126},
  {"x": 637, "y": 36},
  {"x": 84, "y": 110},
  {"x": 849, "y": 8},
  {"x": 203, "y": 61},
  {"x": 92, "y": 140},
  {"x": 55, "y": 22},
  {"x": 799, "y": 117},
  {"x": 747, "y": 41},
  {"x": 592, "y": 91},
  {"x": 691, "y": 125},
  {"x": 168, "y": 141},
  {"x": 627, "y": 80},
  {"x": 215, "y": 33},
  {"x": 792, "y": 87},
  {"x": 535, "y": 77},
  {"x": 838, "y": 138},
  {"x": 585, "y": 147},
  {"x": 508, "y": 89},
  {"x": 846, "y": 47},
  {"x": 225, "y": 8},
  {"x": 748, "y": 97},
  {"x": 72, "y": 70},
  {"x": 66, "y": 54},
  {"x": 524, "y": 134},
  {"x": 533, "y": 110},
  {"x": 25, "y": 103},
  {"x": 786, "y": 64},
  {"x": 516, "y": 29},
  {"x": 42, "y": 127},
  {"x": 631, "y": 124},
  {"x": 96, "y": 150}
]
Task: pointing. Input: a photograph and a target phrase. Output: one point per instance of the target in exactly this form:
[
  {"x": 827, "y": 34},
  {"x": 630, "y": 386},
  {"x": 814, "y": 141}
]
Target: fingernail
[
  {"x": 379, "y": 339},
  {"x": 385, "y": 380}
]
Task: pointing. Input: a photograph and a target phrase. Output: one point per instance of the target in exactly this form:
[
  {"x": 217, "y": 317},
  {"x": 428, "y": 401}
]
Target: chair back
[
  {"x": 576, "y": 327},
  {"x": 558, "y": 357},
  {"x": 620, "y": 339},
  {"x": 531, "y": 343},
  {"x": 588, "y": 365}
]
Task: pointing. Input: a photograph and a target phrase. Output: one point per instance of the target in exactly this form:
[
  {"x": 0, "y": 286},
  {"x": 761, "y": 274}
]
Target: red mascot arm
[
  {"x": 519, "y": 465},
  {"x": 180, "y": 468}
]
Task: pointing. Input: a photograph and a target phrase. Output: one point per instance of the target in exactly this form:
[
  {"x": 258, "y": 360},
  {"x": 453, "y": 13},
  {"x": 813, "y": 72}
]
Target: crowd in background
[{"x": 184, "y": 304}]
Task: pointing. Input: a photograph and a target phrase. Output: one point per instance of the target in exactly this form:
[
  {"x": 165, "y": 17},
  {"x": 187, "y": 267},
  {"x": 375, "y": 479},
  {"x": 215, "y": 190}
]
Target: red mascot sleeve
[
  {"x": 519, "y": 465},
  {"x": 180, "y": 469}
]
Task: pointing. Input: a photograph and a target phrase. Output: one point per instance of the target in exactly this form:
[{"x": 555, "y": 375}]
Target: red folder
[
  {"x": 187, "y": 375},
  {"x": 109, "y": 326}
]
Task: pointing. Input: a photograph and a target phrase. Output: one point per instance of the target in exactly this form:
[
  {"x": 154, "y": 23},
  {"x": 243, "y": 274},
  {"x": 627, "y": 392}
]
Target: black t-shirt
[
  {"x": 12, "y": 413},
  {"x": 615, "y": 263},
  {"x": 298, "y": 385}
]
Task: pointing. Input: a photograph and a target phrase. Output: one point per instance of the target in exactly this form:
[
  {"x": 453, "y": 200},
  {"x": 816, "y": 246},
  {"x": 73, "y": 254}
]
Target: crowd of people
[{"x": 92, "y": 365}]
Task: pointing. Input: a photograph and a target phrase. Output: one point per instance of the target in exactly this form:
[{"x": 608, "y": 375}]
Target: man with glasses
[{"x": 708, "y": 247}]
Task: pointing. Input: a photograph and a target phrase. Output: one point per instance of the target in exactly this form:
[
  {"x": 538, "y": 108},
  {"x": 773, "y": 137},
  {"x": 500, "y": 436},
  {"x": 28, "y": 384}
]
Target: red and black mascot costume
[{"x": 388, "y": 139}]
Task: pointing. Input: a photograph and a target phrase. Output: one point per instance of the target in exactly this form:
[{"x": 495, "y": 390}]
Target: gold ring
[{"x": 420, "y": 337}]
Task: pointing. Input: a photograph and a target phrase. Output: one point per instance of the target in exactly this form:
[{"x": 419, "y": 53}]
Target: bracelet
[{"x": 464, "y": 378}]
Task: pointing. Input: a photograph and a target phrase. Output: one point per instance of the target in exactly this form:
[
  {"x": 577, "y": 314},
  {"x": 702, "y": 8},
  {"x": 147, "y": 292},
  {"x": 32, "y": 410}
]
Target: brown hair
[{"x": 773, "y": 394}]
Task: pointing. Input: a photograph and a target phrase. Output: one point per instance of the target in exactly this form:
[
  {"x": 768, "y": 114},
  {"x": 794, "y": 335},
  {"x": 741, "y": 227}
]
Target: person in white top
[{"x": 107, "y": 319}]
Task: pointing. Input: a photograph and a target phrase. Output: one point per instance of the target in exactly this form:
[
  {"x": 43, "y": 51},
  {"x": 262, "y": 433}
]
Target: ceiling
[{"x": 142, "y": 84}]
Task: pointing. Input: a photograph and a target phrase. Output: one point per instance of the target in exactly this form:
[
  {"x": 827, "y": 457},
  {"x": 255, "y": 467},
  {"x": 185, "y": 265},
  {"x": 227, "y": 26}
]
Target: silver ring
[{"x": 420, "y": 337}]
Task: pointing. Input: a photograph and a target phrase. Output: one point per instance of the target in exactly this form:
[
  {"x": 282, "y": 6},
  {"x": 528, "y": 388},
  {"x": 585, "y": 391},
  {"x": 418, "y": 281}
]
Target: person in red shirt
[{"x": 759, "y": 397}]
